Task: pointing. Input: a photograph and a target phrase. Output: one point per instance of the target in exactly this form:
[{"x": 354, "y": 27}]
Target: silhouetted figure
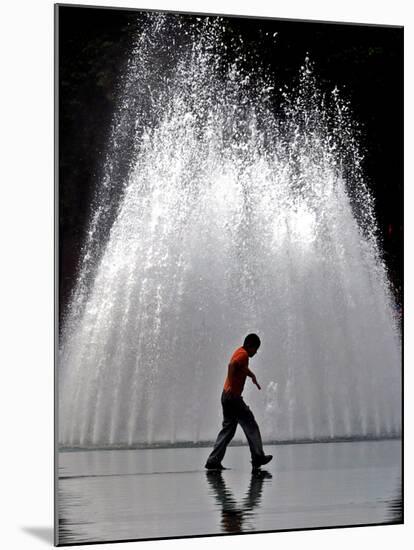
[
  {"x": 233, "y": 516},
  {"x": 235, "y": 410}
]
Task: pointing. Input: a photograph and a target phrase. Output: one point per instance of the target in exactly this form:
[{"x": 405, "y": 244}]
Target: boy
[{"x": 235, "y": 410}]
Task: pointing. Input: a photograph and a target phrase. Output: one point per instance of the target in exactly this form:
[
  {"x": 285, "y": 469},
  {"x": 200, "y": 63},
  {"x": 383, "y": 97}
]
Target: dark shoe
[
  {"x": 214, "y": 466},
  {"x": 261, "y": 461}
]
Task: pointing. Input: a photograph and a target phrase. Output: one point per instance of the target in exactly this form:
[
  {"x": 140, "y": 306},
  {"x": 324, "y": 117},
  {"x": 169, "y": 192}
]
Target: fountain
[{"x": 218, "y": 216}]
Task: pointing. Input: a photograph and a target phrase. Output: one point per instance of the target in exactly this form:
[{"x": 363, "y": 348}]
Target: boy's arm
[
  {"x": 235, "y": 365},
  {"x": 251, "y": 375}
]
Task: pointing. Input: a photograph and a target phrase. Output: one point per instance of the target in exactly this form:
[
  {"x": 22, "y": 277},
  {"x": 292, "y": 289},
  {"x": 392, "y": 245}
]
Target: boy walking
[{"x": 235, "y": 410}]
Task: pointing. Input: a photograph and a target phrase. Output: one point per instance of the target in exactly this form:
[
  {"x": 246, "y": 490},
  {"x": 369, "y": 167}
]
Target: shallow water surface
[{"x": 111, "y": 495}]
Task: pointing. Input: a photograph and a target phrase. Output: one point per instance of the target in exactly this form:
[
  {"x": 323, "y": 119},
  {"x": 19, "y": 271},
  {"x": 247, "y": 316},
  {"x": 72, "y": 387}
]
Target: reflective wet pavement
[{"x": 153, "y": 493}]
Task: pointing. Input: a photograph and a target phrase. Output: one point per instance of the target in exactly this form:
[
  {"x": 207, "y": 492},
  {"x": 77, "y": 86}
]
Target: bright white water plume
[{"x": 219, "y": 215}]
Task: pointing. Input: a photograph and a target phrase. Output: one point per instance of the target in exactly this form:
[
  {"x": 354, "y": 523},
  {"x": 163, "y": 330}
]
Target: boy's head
[{"x": 251, "y": 344}]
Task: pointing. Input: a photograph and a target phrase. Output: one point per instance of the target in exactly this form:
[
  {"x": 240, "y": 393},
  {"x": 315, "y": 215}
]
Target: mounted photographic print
[{"x": 229, "y": 206}]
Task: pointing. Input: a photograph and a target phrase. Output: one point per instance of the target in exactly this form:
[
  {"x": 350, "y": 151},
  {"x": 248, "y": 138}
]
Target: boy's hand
[{"x": 255, "y": 382}]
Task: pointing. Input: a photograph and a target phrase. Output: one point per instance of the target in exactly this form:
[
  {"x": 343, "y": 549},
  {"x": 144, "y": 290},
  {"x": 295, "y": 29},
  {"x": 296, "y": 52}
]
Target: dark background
[{"x": 365, "y": 62}]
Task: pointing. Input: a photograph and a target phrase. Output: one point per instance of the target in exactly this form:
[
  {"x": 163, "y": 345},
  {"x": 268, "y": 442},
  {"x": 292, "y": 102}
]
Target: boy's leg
[
  {"x": 226, "y": 434},
  {"x": 223, "y": 439},
  {"x": 249, "y": 425}
]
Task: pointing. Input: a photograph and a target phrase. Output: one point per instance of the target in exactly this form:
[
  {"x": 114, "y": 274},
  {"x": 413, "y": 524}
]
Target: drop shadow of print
[{"x": 42, "y": 533}]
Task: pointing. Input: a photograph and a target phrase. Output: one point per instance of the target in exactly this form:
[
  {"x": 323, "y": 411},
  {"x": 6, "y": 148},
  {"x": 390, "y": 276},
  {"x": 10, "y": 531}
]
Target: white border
[{"x": 26, "y": 235}]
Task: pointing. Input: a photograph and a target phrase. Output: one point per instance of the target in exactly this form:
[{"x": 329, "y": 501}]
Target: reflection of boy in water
[
  {"x": 235, "y": 410},
  {"x": 233, "y": 516}
]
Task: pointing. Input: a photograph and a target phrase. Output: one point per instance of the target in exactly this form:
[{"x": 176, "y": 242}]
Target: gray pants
[{"x": 235, "y": 411}]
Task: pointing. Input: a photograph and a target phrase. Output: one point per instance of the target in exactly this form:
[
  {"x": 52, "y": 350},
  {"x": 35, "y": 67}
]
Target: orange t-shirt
[{"x": 237, "y": 372}]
